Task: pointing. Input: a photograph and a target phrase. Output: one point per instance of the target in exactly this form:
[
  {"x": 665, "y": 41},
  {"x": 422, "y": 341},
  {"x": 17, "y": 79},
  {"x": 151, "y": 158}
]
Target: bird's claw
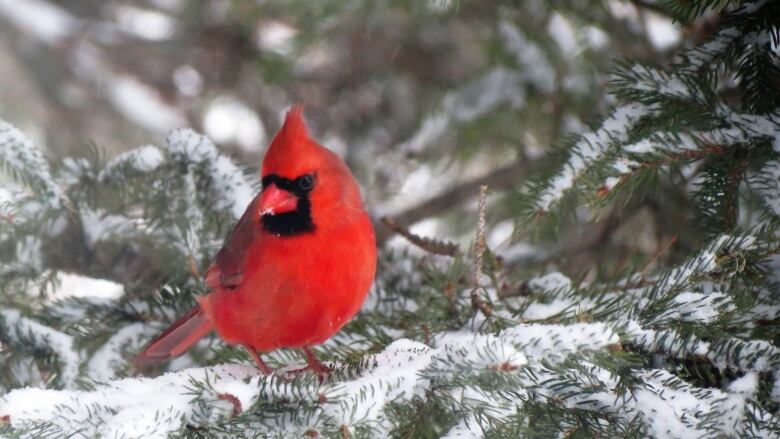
[{"x": 319, "y": 369}]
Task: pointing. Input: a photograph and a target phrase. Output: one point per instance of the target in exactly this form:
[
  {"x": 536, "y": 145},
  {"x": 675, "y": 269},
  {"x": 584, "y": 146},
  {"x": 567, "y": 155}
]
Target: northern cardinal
[{"x": 296, "y": 267}]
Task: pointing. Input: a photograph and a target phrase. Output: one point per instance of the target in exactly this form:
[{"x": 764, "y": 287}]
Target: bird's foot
[
  {"x": 259, "y": 361},
  {"x": 315, "y": 365}
]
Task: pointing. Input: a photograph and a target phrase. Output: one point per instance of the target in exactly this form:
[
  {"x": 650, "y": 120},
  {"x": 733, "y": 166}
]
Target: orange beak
[{"x": 275, "y": 201}]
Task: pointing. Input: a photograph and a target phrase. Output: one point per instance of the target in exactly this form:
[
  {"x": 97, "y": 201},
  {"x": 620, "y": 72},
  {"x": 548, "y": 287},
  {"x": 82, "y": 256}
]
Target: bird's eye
[{"x": 306, "y": 182}]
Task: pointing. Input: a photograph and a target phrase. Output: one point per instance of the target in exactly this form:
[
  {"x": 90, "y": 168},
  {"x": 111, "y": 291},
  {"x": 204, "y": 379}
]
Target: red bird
[{"x": 296, "y": 267}]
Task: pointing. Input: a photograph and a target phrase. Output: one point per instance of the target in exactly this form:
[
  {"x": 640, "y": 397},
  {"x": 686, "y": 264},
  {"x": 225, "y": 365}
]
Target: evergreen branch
[{"x": 434, "y": 246}]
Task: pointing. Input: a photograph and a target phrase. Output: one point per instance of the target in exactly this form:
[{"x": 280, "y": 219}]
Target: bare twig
[
  {"x": 458, "y": 194},
  {"x": 479, "y": 253},
  {"x": 232, "y": 399},
  {"x": 444, "y": 248},
  {"x": 193, "y": 267},
  {"x": 660, "y": 251}
]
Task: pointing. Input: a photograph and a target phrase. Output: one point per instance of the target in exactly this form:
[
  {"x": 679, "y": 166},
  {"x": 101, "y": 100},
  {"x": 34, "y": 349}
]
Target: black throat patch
[{"x": 298, "y": 221}]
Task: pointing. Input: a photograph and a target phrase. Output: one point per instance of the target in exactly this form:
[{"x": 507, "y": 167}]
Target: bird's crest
[{"x": 292, "y": 140}]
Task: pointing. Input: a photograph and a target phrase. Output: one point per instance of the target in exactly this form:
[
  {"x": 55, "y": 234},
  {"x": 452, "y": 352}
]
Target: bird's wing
[{"x": 225, "y": 271}]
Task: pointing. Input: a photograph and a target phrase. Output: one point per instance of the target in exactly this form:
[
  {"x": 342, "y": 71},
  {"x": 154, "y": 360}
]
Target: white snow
[
  {"x": 496, "y": 87},
  {"x": 44, "y": 337},
  {"x": 144, "y": 23},
  {"x": 99, "y": 226},
  {"x": 697, "y": 307},
  {"x": 535, "y": 65},
  {"x": 562, "y": 31},
  {"x": 227, "y": 119},
  {"x": 275, "y": 36},
  {"x": 662, "y": 31},
  {"x": 142, "y": 104},
  {"x": 142, "y": 159},
  {"x": 46, "y": 21},
  {"x": 65, "y": 285},
  {"x": 769, "y": 185},
  {"x": 591, "y": 148},
  {"x": 234, "y": 189},
  {"x": 21, "y": 154},
  {"x": 188, "y": 80},
  {"x": 107, "y": 360},
  {"x": 432, "y": 127},
  {"x": 556, "y": 342},
  {"x": 132, "y": 407},
  {"x": 144, "y": 407}
]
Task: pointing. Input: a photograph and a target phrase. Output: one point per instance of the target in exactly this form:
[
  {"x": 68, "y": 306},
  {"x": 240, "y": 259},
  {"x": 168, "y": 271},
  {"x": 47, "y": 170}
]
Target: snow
[
  {"x": 46, "y": 21},
  {"x": 662, "y": 31},
  {"x": 433, "y": 127},
  {"x": 188, "y": 80},
  {"x": 530, "y": 57},
  {"x": 142, "y": 104},
  {"x": 562, "y": 31},
  {"x": 352, "y": 396},
  {"x": 556, "y": 342},
  {"x": 707, "y": 52},
  {"x": 234, "y": 189},
  {"x": 44, "y": 337},
  {"x": 275, "y": 36},
  {"x": 99, "y": 226},
  {"x": 132, "y": 407},
  {"x": 142, "y": 159},
  {"x": 496, "y": 87},
  {"x": 19, "y": 153},
  {"x": 769, "y": 185},
  {"x": 591, "y": 148},
  {"x": 227, "y": 119},
  {"x": 106, "y": 361},
  {"x": 697, "y": 307},
  {"x": 144, "y": 23},
  {"x": 28, "y": 256},
  {"x": 66, "y": 285}
]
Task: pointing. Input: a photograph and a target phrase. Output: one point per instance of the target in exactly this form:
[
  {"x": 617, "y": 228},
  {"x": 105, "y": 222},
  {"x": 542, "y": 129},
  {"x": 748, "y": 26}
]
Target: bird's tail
[{"x": 177, "y": 339}]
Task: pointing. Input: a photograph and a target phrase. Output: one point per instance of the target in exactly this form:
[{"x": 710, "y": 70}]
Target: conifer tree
[{"x": 457, "y": 339}]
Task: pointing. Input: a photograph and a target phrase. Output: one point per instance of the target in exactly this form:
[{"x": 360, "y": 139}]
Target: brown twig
[
  {"x": 193, "y": 266},
  {"x": 658, "y": 254},
  {"x": 444, "y": 248},
  {"x": 479, "y": 253},
  {"x": 232, "y": 399}
]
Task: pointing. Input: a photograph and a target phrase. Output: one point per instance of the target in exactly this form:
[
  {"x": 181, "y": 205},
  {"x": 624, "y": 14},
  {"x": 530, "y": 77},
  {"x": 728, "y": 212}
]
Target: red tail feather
[{"x": 177, "y": 339}]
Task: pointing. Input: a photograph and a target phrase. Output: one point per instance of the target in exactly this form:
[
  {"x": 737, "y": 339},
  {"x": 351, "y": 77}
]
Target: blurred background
[{"x": 425, "y": 99}]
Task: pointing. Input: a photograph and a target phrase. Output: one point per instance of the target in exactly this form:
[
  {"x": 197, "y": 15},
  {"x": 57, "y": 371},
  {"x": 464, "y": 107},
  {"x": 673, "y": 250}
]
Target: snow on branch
[
  {"x": 353, "y": 397},
  {"x": 592, "y": 148},
  {"x": 496, "y": 87},
  {"x": 141, "y": 160},
  {"x": 654, "y": 84},
  {"x": 767, "y": 182},
  {"x": 536, "y": 66},
  {"x": 234, "y": 190},
  {"x": 27, "y": 333},
  {"x": 24, "y": 160}
]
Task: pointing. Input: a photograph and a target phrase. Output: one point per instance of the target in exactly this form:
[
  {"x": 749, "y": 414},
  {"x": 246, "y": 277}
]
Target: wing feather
[{"x": 226, "y": 270}]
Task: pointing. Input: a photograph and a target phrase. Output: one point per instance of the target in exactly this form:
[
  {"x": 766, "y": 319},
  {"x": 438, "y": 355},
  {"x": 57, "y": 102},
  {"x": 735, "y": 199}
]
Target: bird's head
[{"x": 305, "y": 186}]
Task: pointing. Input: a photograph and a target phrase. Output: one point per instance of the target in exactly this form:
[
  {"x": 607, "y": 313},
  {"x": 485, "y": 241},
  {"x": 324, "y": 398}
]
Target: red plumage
[{"x": 296, "y": 267}]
